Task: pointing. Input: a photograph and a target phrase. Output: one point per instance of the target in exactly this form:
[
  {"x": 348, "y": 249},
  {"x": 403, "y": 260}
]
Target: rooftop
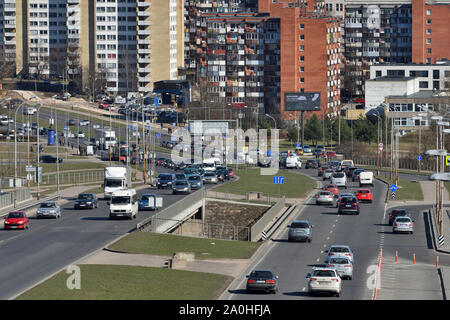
[{"x": 389, "y": 78}]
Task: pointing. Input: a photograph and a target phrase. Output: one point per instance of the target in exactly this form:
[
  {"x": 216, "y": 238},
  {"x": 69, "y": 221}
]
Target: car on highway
[
  {"x": 338, "y": 250},
  {"x": 324, "y": 280},
  {"x": 355, "y": 174},
  {"x": 147, "y": 202},
  {"x": 222, "y": 173},
  {"x": 343, "y": 266},
  {"x": 366, "y": 177},
  {"x": 195, "y": 181},
  {"x": 84, "y": 123},
  {"x": 210, "y": 177},
  {"x": 341, "y": 195},
  {"x": 333, "y": 188},
  {"x": 49, "y": 209},
  {"x": 349, "y": 171},
  {"x": 307, "y": 149},
  {"x": 181, "y": 186},
  {"x": 159, "y": 161},
  {"x": 321, "y": 170},
  {"x": 86, "y": 201},
  {"x": 71, "y": 122},
  {"x": 262, "y": 280},
  {"x": 80, "y": 134},
  {"x": 331, "y": 154},
  {"x": 311, "y": 164},
  {"x": 293, "y": 162},
  {"x": 179, "y": 176},
  {"x": 396, "y": 213},
  {"x": 348, "y": 205},
  {"x": 300, "y": 230},
  {"x": 123, "y": 204},
  {"x": 339, "y": 179},
  {"x": 165, "y": 180},
  {"x": 191, "y": 172},
  {"x": 50, "y": 159},
  {"x": 403, "y": 224},
  {"x": 327, "y": 174},
  {"x": 16, "y": 220},
  {"x": 364, "y": 195},
  {"x": 324, "y": 197},
  {"x": 230, "y": 173}
]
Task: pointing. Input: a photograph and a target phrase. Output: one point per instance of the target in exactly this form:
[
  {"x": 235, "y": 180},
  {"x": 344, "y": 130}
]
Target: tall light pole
[
  {"x": 38, "y": 152},
  {"x": 15, "y": 154}
]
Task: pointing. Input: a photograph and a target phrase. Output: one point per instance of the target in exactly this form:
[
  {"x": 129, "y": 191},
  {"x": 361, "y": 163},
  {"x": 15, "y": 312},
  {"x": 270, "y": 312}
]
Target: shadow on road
[{"x": 296, "y": 294}]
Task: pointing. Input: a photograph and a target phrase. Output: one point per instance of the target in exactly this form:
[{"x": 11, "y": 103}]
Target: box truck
[{"x": 116, "y": 178}]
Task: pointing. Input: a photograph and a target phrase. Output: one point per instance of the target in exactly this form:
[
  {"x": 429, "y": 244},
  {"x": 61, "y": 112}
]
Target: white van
[
  {"x": 293, "y": 162},
  {"x": 366, "y": 177},
  {"x": 124, "y": 203},
  {"x": 210, "y": 164}
]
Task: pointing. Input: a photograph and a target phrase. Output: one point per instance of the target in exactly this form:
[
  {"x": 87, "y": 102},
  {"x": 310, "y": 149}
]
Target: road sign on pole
[
  {"x": 393, "y": 188},
  {"x": 380, "y": 146},
  {"x": 419, "y": 158},
  {"x": 447, "y": 160},
  {"x": 278, "y": 180}
]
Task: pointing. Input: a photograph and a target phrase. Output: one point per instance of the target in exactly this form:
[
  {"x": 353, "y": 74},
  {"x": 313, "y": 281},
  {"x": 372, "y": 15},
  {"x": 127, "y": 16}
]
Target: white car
[
  {"x": 293, "y": 162},
  {"x": 96, "y": 126},
  {"x": 324, "y": 280},
  {"x": 84, "y": 122},
  {"x": 339, "y": 251},
  {"x": 366, "y": 177},
  {"x": 343, "y": 266},
  {"x": 80, "y": 134},
  {"x": 339, "y": 179}
]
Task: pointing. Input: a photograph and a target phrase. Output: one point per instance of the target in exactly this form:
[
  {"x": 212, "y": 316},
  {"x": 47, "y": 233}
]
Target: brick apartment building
[
  {"x": 430, "y": 30},
  {"x": 310, "y": 55}
]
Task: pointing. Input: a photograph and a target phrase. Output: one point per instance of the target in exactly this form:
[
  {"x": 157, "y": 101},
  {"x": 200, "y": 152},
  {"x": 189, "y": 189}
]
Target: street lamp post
[{"x": 15, "y": 154}]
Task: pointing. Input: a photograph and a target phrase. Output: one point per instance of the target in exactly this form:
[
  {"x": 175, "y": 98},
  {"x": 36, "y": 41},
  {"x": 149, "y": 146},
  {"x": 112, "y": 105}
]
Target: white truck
[
  {"x": 124, "y": 204},
  {"x": 108, "y": 139},
  {"x": 211, "y": 163},
  {"x": 365, "y": 178},
  {"x": 116, "y": 178}
]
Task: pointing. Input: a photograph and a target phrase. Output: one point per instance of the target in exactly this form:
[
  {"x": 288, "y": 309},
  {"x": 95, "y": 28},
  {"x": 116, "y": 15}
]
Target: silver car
[
  {"x": 324, "y": 280},
  {"x": 343, "y": 266},
  {"x": 403, "y": 224},
  {"x": 339, "y": 251},
  {"x": 339, "y": 179},
  {"x": 50, "y": 209},
  {"x": 324, "y": 197},
  {"x": 300, "y": 230},
  {"x": 327, "y": 174},
  {"x": 210, "y": 178},
  {"x": 181, "y": 186}
]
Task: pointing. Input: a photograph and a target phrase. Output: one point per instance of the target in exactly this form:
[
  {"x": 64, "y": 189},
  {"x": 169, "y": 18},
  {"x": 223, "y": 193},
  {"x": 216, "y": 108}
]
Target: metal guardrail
[
  {"x": 269, "y": 215},
  {"x": 7, "y": 199},
  {"x": 28, "y": 206},
  {"x": 168, "y": 217}
]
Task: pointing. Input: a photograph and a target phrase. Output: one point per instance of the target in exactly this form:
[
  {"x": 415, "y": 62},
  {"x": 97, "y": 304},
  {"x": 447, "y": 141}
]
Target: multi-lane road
[{"x": 366, "y": 234}]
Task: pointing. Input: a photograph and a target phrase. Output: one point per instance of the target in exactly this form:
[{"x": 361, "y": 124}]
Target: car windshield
[
  {"x": 338, "y": 175},
  {"x": 120, "y": 199},
  {"x": 399, "y": 212},
  {"x": 339, "y": 249},
  {"x": 194, "y": 178},
  {"x": 324, "y": 273},
  {"x": 261, "y": 274},
  {"x": 85, "y": 196},
  {"x": 145, "y": 197},
  {"x": 301, "y": 225},
  {"x": 180, "y": 176},
  {"x": 403, "y": 220},
  {"x": 209, "y": 174},
  {"x": 48, "y": 205},
  {"x": 113, "y": 183},
  {"x": 165, "y": 177},
  {"x": 14, "y": 215},
  {"x": 330, "y": 186},
  {"x": 339, "y": 261},
  {"x": 325, "y": 193},
  {"x": 181, "y": 183},
  {"x": 364, "y": 191}
]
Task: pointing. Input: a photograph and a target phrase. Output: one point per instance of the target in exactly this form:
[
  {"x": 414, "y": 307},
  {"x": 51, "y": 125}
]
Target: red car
[
  {"x": 16, "y": 220},
  {"x": 331, "y": 154},
  {"x": 364, "y": 195},
  {"x": 333, "y": 188},
  {"x": 230, "y": 173}
]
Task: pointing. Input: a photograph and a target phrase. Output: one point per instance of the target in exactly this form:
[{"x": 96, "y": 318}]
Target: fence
[
  {"x": 199, "y": 228},
  {"x": 7, "y": 199},
  {"x": 260, "y": 225},
  {"x": 411, "y": 164},
  {"x": 73, "y": 177},
  {"x": 167, "y": 218},
  {"x": 244, "y": 195},
  {"x": 8, "y": 182}
]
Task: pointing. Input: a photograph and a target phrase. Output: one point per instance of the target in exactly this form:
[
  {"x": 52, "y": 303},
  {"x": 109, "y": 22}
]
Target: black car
[
  {"x": 222, "y": 174},
  {"x": 180, "y": 166},
  {"x": 311, "y": 164},
  {"x": 262, "y": 280},
  {"x": 348, "y": 205},
  {"x": 355, "y": 175},
  {"x": 165, "y": 181},
  {"x": 396, "y": 213},
  {"x": 71, "y": 122},
  {"x": 86, "y": 201},
  {"x": 349, "y": 171},
  {"x": 50, "y": 159}
]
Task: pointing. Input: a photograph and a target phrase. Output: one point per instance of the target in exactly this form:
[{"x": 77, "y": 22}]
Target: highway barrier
[
  {"x": 259, "y": 226},
  {"x": 171, "y": 217},
  {"x": 7, "y": 199},
  {"x": 29, "y": 205}
]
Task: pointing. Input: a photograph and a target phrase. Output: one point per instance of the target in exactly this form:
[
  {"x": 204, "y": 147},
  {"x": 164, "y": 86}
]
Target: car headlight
[
  {"x": 6, "y": 222},
  {"x": 88, "y": 202},
  {"x": 20, "y": 222}
]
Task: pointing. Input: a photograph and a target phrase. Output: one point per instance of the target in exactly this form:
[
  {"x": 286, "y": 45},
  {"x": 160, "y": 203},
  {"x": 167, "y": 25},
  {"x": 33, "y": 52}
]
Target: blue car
[
  {"x": 165, "y": 181},
  {"x": 147, "y": 202},
  {"x": 195, "y": 181}
]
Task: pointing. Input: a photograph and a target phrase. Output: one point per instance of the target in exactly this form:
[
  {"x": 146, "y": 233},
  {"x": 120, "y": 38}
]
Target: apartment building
[
  {"x": 430, "y": 29},
  {"x": 8, "y": 30},
  {"x": 310, "y": 53}
]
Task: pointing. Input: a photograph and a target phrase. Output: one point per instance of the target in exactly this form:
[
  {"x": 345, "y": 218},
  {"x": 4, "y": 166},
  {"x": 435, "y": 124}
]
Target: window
[
  {"x": 435, "y": 74},
  {"x": 302, "y": 69},
  {"x": 428, "y": 21},
  {"x": 302, "y": 26},
  {"x": 428, "y": 31},
  {"x": 428, "y": 60},
  {"x": 302, "y": 58},
  {"x": 428, "y": 40},
  {"x": 428, "y": 12},
  {"x": 377, "y": 73},
  {"x": 302, "y": 48},
  {"x": 302, "y": 37},
  {"x": 302, "y": 80},
  {"x": 423, "y": 84},
  {"x": 428, "y": 50}
]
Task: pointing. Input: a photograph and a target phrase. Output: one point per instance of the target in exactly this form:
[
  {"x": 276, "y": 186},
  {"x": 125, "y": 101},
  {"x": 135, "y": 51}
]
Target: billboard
[
  {"x": 302, "y": 101},
  {"x": 199, "y": 127}
]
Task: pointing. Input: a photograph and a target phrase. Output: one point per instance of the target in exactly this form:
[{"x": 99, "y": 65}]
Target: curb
[{"x": 435, "y": 233}]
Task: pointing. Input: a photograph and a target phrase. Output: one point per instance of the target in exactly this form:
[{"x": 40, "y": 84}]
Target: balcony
[
  {"x": 143, "y": 13},
  {"x": 143, "y": 22},
  {"x": 143, "y": 41},
  {"x": 144, "y": 60},
  {"x": 143, "y": 4},
  {"x": 143, "y": 32},
  {"x": 144, "y": 51}
]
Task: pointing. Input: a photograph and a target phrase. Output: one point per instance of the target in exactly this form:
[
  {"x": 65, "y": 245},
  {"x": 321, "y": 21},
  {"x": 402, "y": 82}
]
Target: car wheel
[
  {"x": 338, "y": 294},
  {"x": 350, "y": 278},
  {"x": 309, "y": 240}
]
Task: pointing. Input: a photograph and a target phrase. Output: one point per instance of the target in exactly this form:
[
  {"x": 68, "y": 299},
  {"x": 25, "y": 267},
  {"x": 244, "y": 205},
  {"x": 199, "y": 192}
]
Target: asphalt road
[
  {"x": 366, "y": 234},
  {"x": 29, "y": 256}
]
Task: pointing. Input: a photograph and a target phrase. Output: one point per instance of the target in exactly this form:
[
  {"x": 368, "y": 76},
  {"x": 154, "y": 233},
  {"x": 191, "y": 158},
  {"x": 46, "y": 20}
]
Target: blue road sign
[
  {"x": 298, "y": 145},
  {"x": 134, "y": 128},
  {"x": 269, "y": 153},
  {"x": 158, "y": 135},
  {"x": 174, "y": 124},
  {"x": 278, "y": 180},
  {"x": 393, "y": 188},
  {"x": 419, "y": 158}
]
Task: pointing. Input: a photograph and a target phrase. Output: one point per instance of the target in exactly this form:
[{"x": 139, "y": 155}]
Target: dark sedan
[
  {"x": 86, "y": 201},
  {"x": 396, "y": 213},
  {"x": 50, "y": 159},
  {"x": 348, "y": 205},
  {"x": 262, "y": 280},
  {"x": 165, "y": 181}
]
